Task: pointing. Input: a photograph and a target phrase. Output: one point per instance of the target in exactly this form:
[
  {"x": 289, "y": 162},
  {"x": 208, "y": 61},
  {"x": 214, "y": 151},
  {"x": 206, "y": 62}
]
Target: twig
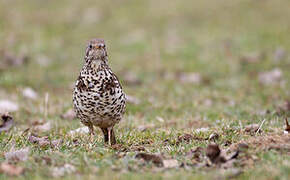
[
  {"x": 260, "y": 126},
  {"x": 46, "y": 105}
]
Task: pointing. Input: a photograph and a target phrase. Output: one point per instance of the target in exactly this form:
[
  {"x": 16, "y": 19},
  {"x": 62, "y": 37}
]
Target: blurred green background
[
  {"x": 228, "y": 43},
  {"x": 208, "y": 63}
]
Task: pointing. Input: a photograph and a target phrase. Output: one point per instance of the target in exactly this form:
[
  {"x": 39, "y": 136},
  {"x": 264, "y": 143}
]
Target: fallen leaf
[
  {"x": 132, "y": 100},
  {"x": 8, "y": 106},
  {"x": 284, "y": 108},
  {"x": 137, "y": 148},
  {"x": 69, "y": 115},
  {"x": 56, "y": 142},
  {"x": 42, "y": 127},
  {"x": 196, "y": 154},
  {"x": 156, "y": 159},
  {"x": 213, "y": 137},
  {"x": 119, "y": 147},
  {"x": 192, "y": 78},
  {"x": 213, "y": 152},
  {"x": 271, "y": 77},
  {"x": 9, "y": 60},
  {"x": 82, "y": 130},
  {"x": 29, "y": 93},
  {"x": 44, "y": 141},
  {"x": 279, "y": 54},
  {"x": 41, "y": 141},
  {"x": 7, "y": 122},
  {"x": 18, "y": 155},
  {"x": 131, "y": 79},
  {"x": 252, "y": 58},
  {"x": 184, "y": 138},
  {"x": 252, "y": 128},
  {"x": 61, "y": 171},
  {"x": 201, "y": 130},
  {"x": 43, "y": 159},
  {"x": 11, "y": 170}
]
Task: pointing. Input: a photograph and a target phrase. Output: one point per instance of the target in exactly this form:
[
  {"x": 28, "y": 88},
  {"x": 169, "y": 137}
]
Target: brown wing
[{"x": 81, "y": 85}]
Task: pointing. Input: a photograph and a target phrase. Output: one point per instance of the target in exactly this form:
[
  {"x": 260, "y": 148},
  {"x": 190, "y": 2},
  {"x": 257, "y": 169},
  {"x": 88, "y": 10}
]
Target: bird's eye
[{"x": 90, "y": 46}]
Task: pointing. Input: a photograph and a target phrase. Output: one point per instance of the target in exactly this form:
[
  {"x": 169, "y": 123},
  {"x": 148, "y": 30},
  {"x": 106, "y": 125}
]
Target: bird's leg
[
  {"x": 105, "y": 132},
  {"x": 112, "y": 138},
  {"x": 92, "y": 132}
]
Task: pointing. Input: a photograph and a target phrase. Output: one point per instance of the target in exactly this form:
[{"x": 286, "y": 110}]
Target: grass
[{"x": 154, "y": 41}]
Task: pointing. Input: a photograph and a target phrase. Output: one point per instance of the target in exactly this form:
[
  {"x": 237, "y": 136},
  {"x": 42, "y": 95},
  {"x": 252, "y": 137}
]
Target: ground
[{"x": 192, "y": 69}]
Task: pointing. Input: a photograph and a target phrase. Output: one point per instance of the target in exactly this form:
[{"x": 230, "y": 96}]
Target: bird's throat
[{"x": 95, "y": 64}]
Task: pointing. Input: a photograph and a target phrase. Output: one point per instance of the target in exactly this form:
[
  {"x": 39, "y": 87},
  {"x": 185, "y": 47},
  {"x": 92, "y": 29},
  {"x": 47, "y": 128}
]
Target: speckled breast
[{"x": 98, "y": 97}]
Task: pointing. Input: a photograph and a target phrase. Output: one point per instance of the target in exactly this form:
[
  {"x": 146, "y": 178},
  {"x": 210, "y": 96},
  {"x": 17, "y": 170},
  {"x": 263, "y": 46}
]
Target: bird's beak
[{"x": 97, "y": 46}]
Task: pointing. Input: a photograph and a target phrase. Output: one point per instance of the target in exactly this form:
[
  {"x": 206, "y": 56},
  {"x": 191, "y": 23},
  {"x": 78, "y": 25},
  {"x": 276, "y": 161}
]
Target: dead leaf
[
  {"x": 44, "y": 160},
  {"x": 137, "y": 148},
  {"x": 44, "y": 127},
  {"x": 7, "y": 122},
  {"x": 279, "y": 54},
  {"x": 119, "y": 147},
  {"x": 192, "y": 78},
  {"x": 132, "y": 100},
  {"x": 252, "y": 128},
  {"x": 196, "y": 154},
  {"x": 8, "y": 106},
  {"x": 213, "y": 137},
  {"x": 82, "y": 130},
  {"x": 203, "y": 129},
  {"x": 213, "y": 152},
  {"x": 29, "y": 93},
  {"x": 252, "y": 58},
  {"x": 69, "y": 115},
  {"x": 41, "y": 141},
  {"x": 184, "y": 138},
  {"x": 18, "y": 155},
  {"x": 156, "y": 159},
  {"x": 56, "y": 142},
  {"x": 271, "y": 77},
  {"x": 11, "y": 170},
  {"x": 44, "y": 141},
  {"x": 61, "y": 171},
  {"x": 131, "y": 79},
  {"x": 9, "y": 60},
  {"x": 284, "y": 108}
]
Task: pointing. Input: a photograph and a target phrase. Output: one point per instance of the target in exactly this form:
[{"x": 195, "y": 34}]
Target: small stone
[
  {"x": 29, "y": 93},
  {"x": 8, "y": 106}
]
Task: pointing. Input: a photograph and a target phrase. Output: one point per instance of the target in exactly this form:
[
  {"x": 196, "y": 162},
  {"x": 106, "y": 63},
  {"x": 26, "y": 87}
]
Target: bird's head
[{"x": 96, "y": 50}]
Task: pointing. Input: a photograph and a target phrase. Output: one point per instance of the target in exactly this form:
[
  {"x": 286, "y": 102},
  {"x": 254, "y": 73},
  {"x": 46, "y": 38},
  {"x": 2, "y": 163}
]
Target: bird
[{"x": 98, "y": 97}]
